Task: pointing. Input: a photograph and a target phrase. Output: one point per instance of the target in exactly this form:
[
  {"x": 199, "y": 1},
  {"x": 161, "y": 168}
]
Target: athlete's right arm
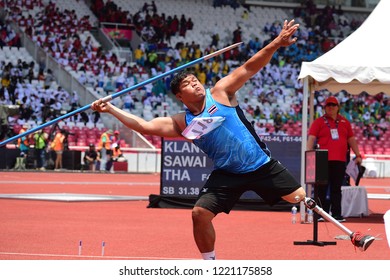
[{"x": 160, "y": 126}]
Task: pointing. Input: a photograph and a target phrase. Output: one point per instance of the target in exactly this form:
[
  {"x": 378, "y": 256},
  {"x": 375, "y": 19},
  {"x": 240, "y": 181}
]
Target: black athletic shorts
[{"x": 223, "y": 189}]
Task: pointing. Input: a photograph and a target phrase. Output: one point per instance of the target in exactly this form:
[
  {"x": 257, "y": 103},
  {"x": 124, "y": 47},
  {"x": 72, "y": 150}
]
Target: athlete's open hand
[{"x": 284, "y": 38}]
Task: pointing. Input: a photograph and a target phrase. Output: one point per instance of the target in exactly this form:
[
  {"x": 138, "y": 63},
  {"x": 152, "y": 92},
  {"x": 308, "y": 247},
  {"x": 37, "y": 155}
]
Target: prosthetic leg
[{"x": 357, "y": 239}]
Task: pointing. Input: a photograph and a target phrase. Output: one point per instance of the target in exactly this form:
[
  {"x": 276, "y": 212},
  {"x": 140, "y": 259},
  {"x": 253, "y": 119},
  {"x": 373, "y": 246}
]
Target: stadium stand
[{"x": 274, "y": 91}]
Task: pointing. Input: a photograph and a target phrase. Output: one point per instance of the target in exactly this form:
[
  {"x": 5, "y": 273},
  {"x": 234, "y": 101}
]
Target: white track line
[
  {"x": 72, "y": 197},
  {"x": 378, "y": 196},
  {"x": 90, "y": 257}
]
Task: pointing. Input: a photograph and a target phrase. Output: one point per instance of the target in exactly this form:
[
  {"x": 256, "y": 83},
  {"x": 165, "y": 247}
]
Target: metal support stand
[{"x": 311, "y": 204}]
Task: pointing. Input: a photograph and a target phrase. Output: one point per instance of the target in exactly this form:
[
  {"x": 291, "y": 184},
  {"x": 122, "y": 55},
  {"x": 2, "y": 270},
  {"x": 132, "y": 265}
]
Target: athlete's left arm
[{"x": 235, "y": 80}]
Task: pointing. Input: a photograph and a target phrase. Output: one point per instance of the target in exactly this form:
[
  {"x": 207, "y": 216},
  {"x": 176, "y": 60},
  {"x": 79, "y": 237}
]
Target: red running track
[{"x": 51, "y": 230}]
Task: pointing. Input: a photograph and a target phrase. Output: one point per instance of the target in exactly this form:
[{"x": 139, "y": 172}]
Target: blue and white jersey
[{"x": 227, "y": 137}]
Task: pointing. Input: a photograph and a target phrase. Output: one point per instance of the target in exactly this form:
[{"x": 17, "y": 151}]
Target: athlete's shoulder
[{"x": 179, "y": 120}]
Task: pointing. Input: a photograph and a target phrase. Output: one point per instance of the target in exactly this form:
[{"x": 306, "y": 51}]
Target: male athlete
[{"x": 214, "y": 122}]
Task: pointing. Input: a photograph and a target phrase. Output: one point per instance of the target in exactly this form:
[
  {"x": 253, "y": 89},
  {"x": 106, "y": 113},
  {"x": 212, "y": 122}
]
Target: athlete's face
[{"x": 191, "y": 90}]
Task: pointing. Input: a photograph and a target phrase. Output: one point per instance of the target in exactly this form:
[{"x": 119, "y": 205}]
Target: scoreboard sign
[{"x": 185, "y": 168}]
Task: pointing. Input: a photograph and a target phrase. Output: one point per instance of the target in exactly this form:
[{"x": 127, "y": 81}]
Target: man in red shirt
[{"x": 334, "y": 133}]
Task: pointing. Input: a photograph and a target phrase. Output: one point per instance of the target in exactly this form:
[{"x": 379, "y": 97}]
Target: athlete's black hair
[{"x": 176, "y": 81}]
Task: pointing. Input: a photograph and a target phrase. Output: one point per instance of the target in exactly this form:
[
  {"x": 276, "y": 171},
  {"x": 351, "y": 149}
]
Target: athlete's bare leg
[
  {"x": 296, "y": 196},
  {"x": 203, "y": 229}
]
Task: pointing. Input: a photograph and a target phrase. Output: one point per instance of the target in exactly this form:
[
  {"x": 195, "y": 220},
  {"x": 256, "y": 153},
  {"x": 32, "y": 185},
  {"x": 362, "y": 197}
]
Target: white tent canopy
[{"x": 359, "y": 63}]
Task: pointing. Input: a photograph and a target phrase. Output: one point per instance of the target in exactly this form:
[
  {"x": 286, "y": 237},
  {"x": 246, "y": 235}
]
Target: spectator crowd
[{"x": 273, "y": 96}]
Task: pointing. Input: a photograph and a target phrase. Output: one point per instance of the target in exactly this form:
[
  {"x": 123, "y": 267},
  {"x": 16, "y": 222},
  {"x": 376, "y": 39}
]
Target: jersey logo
[{"x": 212, "y": 109}]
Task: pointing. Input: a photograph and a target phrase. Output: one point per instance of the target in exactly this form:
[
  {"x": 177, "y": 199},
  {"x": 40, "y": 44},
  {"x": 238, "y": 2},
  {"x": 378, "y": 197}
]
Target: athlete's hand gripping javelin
[{"x": 101, "y": 106}]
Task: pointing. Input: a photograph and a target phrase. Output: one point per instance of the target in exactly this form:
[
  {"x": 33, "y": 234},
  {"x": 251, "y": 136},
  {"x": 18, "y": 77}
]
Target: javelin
[{"x": 119, "y": 93}]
